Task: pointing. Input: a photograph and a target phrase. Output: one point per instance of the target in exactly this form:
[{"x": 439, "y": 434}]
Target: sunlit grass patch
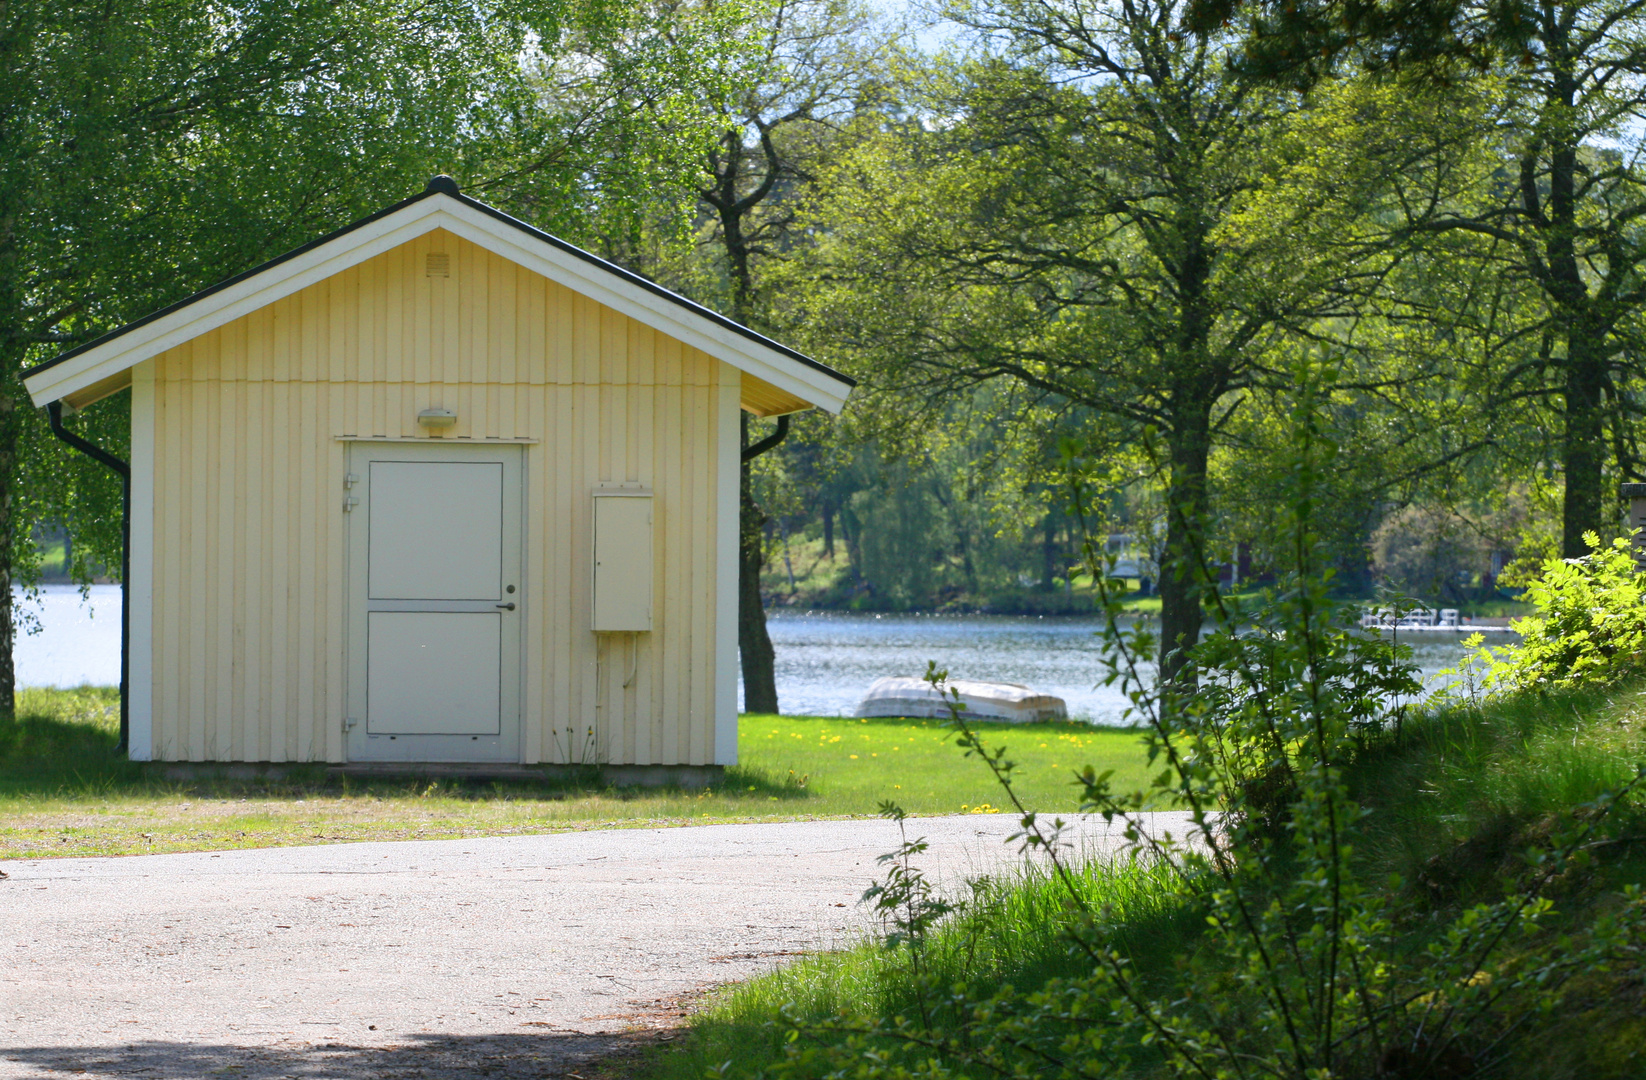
[
  {"x": 65, "y": 791},
  {"x": 915, "y": 763}
]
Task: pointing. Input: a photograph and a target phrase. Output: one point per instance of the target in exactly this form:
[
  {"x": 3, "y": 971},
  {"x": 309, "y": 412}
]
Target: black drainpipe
[
  {"x": 97, "y": 453},
  {"x": 754, "y": 451}
]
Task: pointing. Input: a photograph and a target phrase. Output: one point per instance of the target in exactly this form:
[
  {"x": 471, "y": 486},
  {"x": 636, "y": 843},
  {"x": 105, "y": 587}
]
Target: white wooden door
[{"x": 435, "y": 602}]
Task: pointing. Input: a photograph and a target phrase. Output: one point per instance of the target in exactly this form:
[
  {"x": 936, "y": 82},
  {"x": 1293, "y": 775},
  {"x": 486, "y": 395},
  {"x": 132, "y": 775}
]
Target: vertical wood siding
[{"x": 251, "y": 422}]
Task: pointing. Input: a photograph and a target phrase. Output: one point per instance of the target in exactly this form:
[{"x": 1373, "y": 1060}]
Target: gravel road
[{"x": 462, "y": 959}]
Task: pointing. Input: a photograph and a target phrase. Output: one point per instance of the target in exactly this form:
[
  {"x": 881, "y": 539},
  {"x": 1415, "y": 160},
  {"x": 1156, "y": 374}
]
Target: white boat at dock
[
  {"x": 1428, "y": 620},
  {"x": 896, "y": 695}
]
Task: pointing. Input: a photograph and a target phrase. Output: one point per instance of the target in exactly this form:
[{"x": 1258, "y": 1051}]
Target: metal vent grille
[{"x": 438, "y": 266}]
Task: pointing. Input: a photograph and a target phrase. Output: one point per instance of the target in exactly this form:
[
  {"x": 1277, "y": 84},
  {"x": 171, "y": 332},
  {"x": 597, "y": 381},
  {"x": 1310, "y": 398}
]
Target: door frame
[{"x": 359, "y": 745}]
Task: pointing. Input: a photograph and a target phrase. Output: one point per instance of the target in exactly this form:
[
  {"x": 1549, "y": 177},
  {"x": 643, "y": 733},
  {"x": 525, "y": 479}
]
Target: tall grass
[
  {"x": 1466, "y": 784},
  {"x": 1010, "y": 930}
]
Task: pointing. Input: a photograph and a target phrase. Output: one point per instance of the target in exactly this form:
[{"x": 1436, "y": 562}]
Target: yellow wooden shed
[{"x": 437, "y": 487}]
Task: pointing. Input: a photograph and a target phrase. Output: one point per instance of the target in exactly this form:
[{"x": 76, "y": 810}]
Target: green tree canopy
[
  {"x": 1097, "y": 208},
  {"x": 150, "y": 150}
]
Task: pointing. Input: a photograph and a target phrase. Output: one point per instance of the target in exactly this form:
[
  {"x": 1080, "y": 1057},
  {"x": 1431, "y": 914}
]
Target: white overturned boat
[{"x": 900, "y": 696}]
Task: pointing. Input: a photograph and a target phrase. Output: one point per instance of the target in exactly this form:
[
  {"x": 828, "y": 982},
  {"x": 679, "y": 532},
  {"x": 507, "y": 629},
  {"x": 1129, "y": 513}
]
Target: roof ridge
[{"x": 444, "y": 185}]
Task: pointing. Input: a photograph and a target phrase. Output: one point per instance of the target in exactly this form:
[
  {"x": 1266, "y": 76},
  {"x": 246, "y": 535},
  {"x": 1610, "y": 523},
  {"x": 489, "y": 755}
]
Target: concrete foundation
[{"x": 648, "y": 776}]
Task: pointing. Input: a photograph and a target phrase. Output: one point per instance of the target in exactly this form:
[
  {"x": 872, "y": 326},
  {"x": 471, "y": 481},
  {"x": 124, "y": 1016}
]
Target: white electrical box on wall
[{"x": 622, "y": 561}]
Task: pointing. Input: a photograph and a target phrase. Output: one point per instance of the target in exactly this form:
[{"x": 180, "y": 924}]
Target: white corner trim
[
  {"x": 392, "y": 230},
  {"x": 729, "y": 445},
  {"x": 139, "y": 590}
]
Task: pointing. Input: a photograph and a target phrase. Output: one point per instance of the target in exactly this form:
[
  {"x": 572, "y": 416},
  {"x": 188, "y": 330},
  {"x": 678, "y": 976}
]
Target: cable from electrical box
[{"x": 634, "y": 666}]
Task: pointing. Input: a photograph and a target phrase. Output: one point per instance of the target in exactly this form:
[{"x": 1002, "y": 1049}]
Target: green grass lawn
[
  {"x": 854, "y": 764},
  {"x": 64, "y": 790}
]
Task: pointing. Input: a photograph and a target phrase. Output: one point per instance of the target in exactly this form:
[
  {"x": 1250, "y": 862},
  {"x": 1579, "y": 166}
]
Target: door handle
[{"x": 507, "y": 607}]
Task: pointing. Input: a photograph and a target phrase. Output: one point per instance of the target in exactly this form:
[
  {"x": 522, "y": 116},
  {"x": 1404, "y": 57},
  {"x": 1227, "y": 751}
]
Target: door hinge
[
  {"x": 349, "y": 503},
  {"x": 351, "y": 480},
  {"x": 348, "y": 724}
]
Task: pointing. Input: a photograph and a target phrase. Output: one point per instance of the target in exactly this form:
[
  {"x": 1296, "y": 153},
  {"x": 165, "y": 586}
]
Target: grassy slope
[
  {"x": 1465, "y": 787},
  {"x": 1454, "y": 806},
  {"x": 1008, "y": 935},
  {"x": 63, "y": 790},
  {"x": 1458, "y": 804}
]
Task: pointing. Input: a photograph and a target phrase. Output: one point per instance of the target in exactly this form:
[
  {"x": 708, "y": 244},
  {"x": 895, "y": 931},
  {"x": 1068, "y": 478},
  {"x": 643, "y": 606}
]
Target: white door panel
[
  {"x": 433, "y": 673},
  {"x": 436, "y": 599},
  {"x": 436, "y": 530}
]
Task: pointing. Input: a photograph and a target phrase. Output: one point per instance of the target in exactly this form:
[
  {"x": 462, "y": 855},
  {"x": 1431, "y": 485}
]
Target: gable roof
[{"x": 97, "y": 367}]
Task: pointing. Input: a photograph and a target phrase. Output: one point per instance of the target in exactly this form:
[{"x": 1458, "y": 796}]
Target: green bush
[{"x": 1590, "y": 628}]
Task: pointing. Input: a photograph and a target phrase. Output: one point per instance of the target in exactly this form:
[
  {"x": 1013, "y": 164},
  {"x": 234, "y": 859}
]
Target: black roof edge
[
  {"x": 445, "y": 185},
  {"x": 656, "y": 289}
]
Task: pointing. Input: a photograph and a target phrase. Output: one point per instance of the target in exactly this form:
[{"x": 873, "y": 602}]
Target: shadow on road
[{"x": 434, "y": 1057}]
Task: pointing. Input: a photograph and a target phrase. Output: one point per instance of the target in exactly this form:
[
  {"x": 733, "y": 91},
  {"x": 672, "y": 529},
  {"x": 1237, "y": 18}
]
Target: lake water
[
  {"x": 825, "y": 660},
  {"x": 78, "y": 642}
]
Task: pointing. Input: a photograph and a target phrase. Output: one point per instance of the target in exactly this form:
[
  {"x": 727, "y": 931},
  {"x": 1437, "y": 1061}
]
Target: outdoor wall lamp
[{"x": 436, "y": 420}]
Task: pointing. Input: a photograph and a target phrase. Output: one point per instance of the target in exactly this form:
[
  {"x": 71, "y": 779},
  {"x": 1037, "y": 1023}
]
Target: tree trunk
[
  {"x": 828, "y": 530},
  {"x": 1182, "y": 565},
  {"x": 8, "y": 525},
  {"x": 1583, "y": 449},
  {"x": 962, "y": 536},
  {"x": 1048, "y": 553},
  {"x": 754, "y": 643},
  {"x": 851, "y": 530},
  {"x": 12, "y": 353},
  {"x": 1583, "y": 446}
]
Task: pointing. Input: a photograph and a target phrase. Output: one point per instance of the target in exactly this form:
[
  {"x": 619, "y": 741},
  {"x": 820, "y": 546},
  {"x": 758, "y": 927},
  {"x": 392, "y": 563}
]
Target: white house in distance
[{"x": 437, "y": 487}]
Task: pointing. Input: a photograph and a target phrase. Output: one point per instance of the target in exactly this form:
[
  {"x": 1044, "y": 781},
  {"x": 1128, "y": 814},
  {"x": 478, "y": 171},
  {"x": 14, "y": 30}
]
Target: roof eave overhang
[{"x": 102, "y": 361}]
